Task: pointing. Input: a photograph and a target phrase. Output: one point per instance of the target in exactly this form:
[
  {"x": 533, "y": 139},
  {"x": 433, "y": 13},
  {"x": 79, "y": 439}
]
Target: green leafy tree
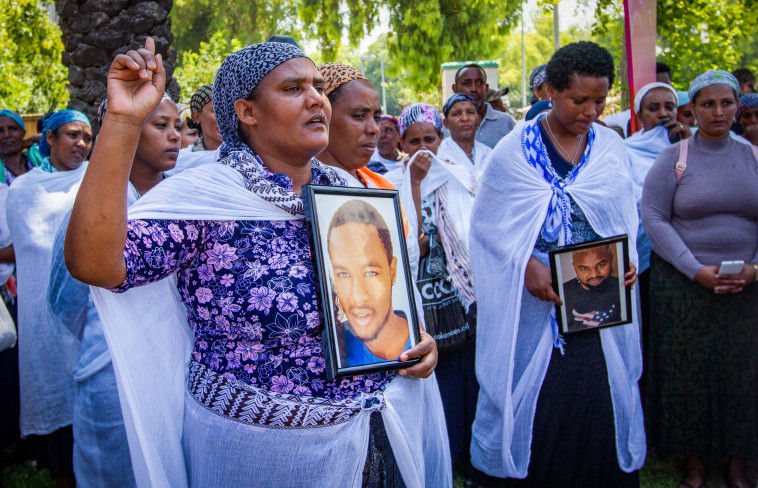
[
  {"x": 327, "y": 21},
  {"x": 199, "y": 67},
  {"x": 32, "y": 77},
  {"x": 427, "y": 33},
  {"x": 538, "y": 48},
  {"x": 700, "y": 35},
  {"x": 693, "y": 36},
  {"x": 195, "y": 21}
]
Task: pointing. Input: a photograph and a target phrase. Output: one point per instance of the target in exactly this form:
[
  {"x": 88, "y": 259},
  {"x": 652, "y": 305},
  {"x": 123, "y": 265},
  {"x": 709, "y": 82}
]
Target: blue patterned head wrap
[
  {"x": 714, "y": 77},
  {"x": 13, "y": 115},
  {"x": 537, "y": 78},
  {"x": 457, "y": 97},
  {"x": 237, "y": 77},
  {"x": 748, "y": 100},
  {"x": 56, "y": 120},
  {"x": 419, "y": 112}
]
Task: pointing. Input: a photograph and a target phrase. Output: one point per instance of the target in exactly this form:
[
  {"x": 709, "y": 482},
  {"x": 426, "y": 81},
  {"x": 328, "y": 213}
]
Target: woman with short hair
[
  {"x": 699, "y": 208},
  {"x": 254, "y": 402},
  {"x": 554, "y": 410}
]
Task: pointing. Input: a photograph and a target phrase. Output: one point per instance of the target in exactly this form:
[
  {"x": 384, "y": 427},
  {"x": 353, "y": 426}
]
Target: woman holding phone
[{"x": 699, "y": 208}]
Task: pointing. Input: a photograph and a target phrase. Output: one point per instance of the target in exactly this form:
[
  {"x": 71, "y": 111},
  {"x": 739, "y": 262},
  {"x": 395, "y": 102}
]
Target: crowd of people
[{"x": 169, "y": 313}]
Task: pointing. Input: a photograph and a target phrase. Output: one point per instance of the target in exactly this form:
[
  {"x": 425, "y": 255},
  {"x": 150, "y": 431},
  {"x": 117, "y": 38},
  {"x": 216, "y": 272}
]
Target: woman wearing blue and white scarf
[
  {"x": 213, "y": 268},
  {"x": 548, "y": 405},
  {"x": 38, "y": 201}
]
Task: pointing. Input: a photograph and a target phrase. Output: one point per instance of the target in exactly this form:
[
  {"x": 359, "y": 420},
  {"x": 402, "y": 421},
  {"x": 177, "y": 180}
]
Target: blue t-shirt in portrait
[{"x": 356, "y": 352}]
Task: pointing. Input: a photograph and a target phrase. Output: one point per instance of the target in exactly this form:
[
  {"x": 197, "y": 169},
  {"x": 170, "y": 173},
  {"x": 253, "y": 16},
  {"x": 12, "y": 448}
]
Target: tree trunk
[{"x": 95, "y": 31}]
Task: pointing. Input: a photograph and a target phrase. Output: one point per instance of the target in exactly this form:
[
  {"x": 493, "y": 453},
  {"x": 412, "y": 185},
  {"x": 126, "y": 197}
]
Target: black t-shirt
[{"x": 587, "y": 309}]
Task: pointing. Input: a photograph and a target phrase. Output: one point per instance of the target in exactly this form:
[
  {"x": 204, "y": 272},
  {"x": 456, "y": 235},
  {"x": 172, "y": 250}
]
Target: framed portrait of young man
[
  {"x": 589, "y": 280},
  {"x": 364, "y": 273}
]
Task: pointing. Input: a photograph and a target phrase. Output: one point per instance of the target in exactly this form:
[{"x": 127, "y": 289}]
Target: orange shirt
[{"x": 374, "y": 180}]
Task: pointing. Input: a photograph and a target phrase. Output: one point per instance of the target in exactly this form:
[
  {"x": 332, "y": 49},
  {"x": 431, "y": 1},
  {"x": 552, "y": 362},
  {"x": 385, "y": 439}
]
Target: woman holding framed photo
[
  {"x": 213, "y": 268},
  {"x": 699, "y": 208},
  {"x": 554, "y": 410}
]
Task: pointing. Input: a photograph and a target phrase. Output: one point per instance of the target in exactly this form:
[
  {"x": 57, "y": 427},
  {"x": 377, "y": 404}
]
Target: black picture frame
[
  {"x": 340, "y": 339},
  {"x": 587, "y": 303}
]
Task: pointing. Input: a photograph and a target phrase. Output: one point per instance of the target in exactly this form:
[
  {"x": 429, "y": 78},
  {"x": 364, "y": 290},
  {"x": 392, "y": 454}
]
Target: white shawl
[
  {"x": 451, "y": 151},
  {"x": 6, "y": 269},
  {"x": 37, "y": 203},
  {"x": 150, "y": 343},
  {"x": 190, "y": 159},
  {"x": 643, "y": 148},
  {"x": 514, "y": 333}
]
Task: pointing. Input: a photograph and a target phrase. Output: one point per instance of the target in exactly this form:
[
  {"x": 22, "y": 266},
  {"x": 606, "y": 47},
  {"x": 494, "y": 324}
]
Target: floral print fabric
[{"x": 252, "y": 300}]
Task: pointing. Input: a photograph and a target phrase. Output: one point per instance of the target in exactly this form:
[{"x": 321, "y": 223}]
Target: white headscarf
[{"x": 646, "y": 89}]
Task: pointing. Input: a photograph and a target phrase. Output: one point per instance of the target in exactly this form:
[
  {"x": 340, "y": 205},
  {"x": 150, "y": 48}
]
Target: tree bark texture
[{"x": 95, "y": 31}]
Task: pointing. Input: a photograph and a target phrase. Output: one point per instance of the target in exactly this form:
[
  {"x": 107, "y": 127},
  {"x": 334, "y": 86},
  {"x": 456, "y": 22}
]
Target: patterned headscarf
[
  {"x": 537, "y": 78},
  {"x": 184, "y": 113},
  {"x": 419, "y": 112},
  {"x": 336, "y": 75},
  {"x": 748, "y": 100},
  {"x": 457, "y": 97},
  {"x": 14, "y": 116},
  {"x": 202, "y": 97},
  {"x": 56, "y": 120},
  {"x": 647, "y": 88},
  {"x": 237, "y": 77},
  {"x": 391, "y": 119},
  {"x": 714, "y": 77}
]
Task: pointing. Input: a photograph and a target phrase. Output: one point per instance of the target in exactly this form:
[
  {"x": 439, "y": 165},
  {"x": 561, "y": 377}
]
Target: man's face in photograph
[
  {"x": 363, "y": 277},
  {"x": 593, "y": 266}
]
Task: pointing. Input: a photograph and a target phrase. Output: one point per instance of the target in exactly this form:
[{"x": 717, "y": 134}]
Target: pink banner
[{"x": 640, "y": 29}]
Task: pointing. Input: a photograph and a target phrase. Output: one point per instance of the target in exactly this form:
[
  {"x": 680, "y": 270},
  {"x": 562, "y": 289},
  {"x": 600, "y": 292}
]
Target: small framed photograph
[
  {"x": 362, "y": 264},
  {"x": 589, "y": 279}
]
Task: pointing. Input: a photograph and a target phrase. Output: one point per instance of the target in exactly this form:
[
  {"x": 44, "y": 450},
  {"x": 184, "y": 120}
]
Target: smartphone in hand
[{"x": 731, "y": 267}]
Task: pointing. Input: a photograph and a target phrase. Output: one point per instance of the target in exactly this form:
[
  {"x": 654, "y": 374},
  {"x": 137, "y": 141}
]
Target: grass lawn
[
  {"x": 25, "y": 476},
  {"x": 655, "y": 474}
]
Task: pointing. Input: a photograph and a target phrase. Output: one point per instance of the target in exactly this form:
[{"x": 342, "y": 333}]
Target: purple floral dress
[{"x": 252, "y": 299}]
